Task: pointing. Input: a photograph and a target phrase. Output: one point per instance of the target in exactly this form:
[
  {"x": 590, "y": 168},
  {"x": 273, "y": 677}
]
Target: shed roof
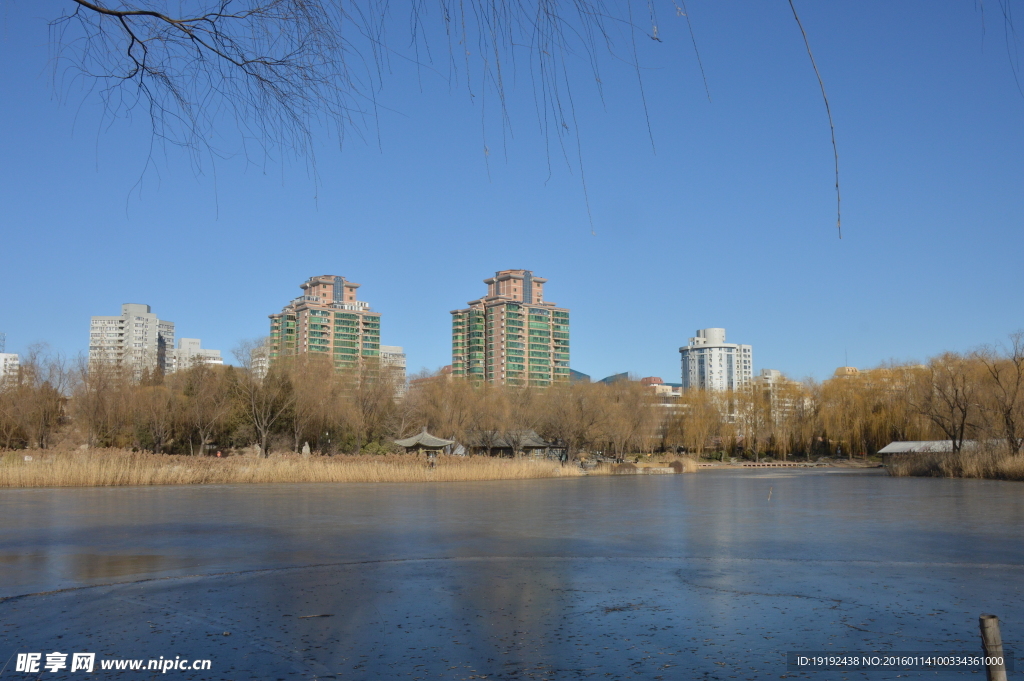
[{"x": 917, "y": 446}]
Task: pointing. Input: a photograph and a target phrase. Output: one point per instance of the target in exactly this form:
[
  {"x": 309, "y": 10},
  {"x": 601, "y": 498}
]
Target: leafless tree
[
  {"x": 947, "y": 394},
  {"x": 207, "y": 401},
  {"x": 445, "y": 406},
  {"x": 1003, "y": 386},
  {"x": 572, "y": 415},
  {"x": 157, "y": 417},
  {"x": 519, "y": 416},
  {"x": 490, "y": 421},
  {"x": 264, "y": 399},
  {"x": 628, "y": 422},
  {"x": 10, "y": 429},
  {"x": 40, "y": 395},
  {"x": 97, "y": 389}
]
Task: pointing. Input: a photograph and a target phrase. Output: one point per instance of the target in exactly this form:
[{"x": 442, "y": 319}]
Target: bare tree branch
[{"x": 828, "y": 110}]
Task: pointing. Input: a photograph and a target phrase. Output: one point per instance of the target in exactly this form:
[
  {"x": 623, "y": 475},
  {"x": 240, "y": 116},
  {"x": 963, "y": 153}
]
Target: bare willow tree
[
  {"x": 572, "y": 415},
  {"x": 274, "y": 68},
  {"x": 282, "y": 69},
  {"x": 699, "y": 419}
]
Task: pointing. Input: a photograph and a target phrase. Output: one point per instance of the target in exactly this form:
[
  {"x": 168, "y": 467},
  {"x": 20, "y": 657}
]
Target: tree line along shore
[{"x": 961, "y": 397}]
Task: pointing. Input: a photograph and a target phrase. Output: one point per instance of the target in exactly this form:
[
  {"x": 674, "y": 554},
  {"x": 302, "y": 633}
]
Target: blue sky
[{"x": 728, "y": 221}]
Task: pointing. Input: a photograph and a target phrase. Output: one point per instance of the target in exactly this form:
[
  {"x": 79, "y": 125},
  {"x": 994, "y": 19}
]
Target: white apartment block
[
  {"x": 190, "y": 353},
  {"x": 709, "y": 363},
  {"x": 9, "y": 364},
  {"x": 136, "y": 339},
  {"x": 393, "y": 357}
]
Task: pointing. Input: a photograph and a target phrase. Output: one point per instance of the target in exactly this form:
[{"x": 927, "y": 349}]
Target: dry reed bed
[
  {"x": 991, "y": 465},
  {"x": 105, "y": 468}
]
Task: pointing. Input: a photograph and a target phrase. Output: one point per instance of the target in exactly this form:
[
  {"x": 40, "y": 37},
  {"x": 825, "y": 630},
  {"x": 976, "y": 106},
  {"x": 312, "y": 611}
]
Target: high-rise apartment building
[
  {"x": 136, "y": 340},
  {"x": 709, "y": 363},
  {"x": 327, "y": 320},
  {"x": 512, "y": 335}
]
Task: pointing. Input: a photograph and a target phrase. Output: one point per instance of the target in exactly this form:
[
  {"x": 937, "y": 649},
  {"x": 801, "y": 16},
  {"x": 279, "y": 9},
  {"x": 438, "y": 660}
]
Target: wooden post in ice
[{"x": 992, "y": 642}]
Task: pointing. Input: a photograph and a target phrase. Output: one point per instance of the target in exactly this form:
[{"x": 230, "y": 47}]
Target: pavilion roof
[{"x": 424, "y": 440}]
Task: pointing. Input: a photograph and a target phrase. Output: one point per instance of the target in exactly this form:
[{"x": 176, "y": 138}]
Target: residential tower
[
  {"x": 327, "y": 320},
  {"x": 511, "y": 336},
  {"x": 709, "y": 363}
]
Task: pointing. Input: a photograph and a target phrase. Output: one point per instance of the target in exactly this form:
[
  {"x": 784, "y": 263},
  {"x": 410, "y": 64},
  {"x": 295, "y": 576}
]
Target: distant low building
[
  {"x": 578, "y": 376},
  {"x": 392, "y": 358},
  {"x": 921, "y": 447},
  {"x": 660, "y": 388},
  {"x": 785, "y": 395},
  {"x": 615, "y": 378},
  {"x": 909, "y": 448},
  {"x": 190, "y": 353},
  {"x": 443, "y": 374},
  {"x": 259, "y": 361},
  {"x": 9, "y": 364}
]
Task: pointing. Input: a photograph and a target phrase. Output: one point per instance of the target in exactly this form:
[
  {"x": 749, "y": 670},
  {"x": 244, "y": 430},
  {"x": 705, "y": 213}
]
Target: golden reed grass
[
  {"x": 112, "y": 467},
  {"x": 973, "y": 464}
]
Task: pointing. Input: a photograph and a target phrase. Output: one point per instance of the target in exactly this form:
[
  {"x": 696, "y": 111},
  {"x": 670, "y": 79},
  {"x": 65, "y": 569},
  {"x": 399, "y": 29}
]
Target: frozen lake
[{"x": 649, "y": 577}]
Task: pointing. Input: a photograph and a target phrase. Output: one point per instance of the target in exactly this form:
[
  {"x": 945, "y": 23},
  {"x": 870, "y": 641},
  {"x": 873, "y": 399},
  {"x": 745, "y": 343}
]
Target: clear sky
[{"x": 728, "y": 221}]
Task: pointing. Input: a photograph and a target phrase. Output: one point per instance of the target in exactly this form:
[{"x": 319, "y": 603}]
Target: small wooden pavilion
[{"x": 424, "y": 442}]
